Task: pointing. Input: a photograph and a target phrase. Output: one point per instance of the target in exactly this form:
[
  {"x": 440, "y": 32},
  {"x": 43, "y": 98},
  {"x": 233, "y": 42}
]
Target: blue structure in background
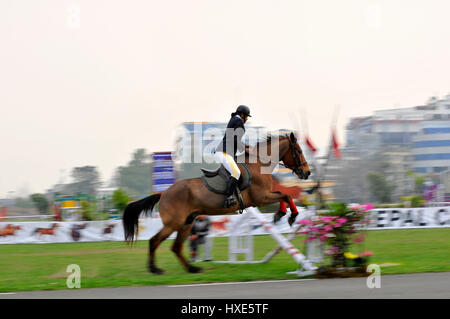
[{"x": 163, "y": 171}]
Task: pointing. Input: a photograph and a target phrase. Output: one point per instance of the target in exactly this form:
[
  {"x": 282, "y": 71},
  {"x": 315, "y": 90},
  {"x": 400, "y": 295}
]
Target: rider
[{"x": 226, "y": 151}]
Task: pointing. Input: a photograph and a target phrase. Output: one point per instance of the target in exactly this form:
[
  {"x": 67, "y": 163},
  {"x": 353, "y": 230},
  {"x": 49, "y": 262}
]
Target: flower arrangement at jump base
[{"x": 336, "y": 233}]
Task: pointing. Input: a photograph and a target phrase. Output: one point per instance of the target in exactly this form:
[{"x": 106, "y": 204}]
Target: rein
[{"x": 297, "y": 161}]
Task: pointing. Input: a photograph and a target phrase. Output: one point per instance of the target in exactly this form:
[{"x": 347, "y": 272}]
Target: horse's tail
[{"x": 131, "y": 214}]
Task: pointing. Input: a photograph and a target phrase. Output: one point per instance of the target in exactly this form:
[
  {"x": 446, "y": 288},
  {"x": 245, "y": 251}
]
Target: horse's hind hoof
[
  {"x": 194, "y": 269},
  {"x": 156, "y": 271}
]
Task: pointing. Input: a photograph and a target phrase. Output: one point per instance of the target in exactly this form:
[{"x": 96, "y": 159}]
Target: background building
[
  {"x": 394, "y": 142},
  {"x": 431, "y": 147}
]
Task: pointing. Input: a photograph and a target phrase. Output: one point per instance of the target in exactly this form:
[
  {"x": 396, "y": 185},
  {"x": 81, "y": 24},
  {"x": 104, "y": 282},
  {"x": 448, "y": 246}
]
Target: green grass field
[{"x": 111, "y": 264}]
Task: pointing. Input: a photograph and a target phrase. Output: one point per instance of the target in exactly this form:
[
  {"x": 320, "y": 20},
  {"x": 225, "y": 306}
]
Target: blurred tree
[
  {"x": 40, "y": 202},
  {"x": 90, "y": 211},
  {"x": 86, "y": 180},
  {"x": 136, "y": 177},
  {"x": 380, "y": 187},
  {"x": 120, "y": 199},
  {"x": 419, "y": 184},
  {"x": 86, "y": 210},
  {"x": 23, "y": 202},
  {"x": 419, "y": 180}
]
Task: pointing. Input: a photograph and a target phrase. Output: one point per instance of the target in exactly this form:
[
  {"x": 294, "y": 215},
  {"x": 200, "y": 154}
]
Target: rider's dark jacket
[{"x": 232, "y": 140}]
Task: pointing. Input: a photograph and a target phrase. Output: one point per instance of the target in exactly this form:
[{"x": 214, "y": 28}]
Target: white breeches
[{"x": 229, "y": 164}]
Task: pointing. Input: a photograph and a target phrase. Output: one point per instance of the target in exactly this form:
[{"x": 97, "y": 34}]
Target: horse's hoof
[
  {"x": 194, "y": 269},
  {"x": 277, "y": 216},
  {"x": 291, "y": 219},
  {"x": 156, "y": 271}
]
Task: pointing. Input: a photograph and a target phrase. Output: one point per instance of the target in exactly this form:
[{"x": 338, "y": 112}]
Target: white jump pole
[
  {"x": 291, "y": 236},
  {"x": 308, "y": 267}
]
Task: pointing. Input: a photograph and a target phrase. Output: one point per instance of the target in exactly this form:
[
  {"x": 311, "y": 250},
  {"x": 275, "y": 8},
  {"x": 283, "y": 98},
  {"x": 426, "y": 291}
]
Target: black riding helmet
[{"x": 243, "y": 109}]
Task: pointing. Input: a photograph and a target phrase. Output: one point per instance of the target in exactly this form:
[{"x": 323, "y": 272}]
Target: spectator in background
[
  {"x": 57, "y": 213},
  {"x": 199, "y": 231}
]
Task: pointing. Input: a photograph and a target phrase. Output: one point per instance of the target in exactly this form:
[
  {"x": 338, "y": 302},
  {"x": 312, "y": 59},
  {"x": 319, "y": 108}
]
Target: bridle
[{"x": 298, "y": 163}]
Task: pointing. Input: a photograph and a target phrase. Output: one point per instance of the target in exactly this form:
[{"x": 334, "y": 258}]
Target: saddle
[{"x": 216, "y": 180}]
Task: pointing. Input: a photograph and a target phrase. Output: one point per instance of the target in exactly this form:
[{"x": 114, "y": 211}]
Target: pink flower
[
  {"x": 305, "y": 222},
  {"x": 368, "y": 206},
  {"x": 328, "y": 228},
  {"x": 314, "y": 230},
  {"x": 311, "y": 238},
  {"x": 366, "y": 254},
  {"x": 342, "y": 220},
  {"x": 323, "y": 238},
  {"x": 337, "y": 225},
  {"x": 332, "y": 250},
  {"x": 326, "y": 219}
]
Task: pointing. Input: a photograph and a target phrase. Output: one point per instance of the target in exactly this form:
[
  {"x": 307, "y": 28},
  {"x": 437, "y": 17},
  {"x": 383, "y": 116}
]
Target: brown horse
[
  {"x": 46, "y": 231},
  {"x": 186, "y": 199},
  {"x": 9, "y": 230}
]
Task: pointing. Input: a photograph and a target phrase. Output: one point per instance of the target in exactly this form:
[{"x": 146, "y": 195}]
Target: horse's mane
[{"x": 267, "y": 139}]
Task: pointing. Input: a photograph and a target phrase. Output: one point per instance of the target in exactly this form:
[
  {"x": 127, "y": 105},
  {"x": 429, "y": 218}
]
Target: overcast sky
[{"x": 88, "y": 82}]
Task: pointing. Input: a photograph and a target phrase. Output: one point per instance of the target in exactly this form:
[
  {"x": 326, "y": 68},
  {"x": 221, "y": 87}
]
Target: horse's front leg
[{"x": 274, "y": 197}]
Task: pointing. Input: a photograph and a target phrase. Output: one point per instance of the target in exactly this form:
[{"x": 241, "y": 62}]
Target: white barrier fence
[
  {"x": 394, "y": 218},
  {"x": 38, "y": 217},
  {"x": 306, "y": 267},
  {"x": 112, "y": 230}
]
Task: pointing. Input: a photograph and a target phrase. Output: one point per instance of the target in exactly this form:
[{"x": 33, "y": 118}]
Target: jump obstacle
[
  {"x": 241, "y": 242},
  {"x": 314, "y": 251}
]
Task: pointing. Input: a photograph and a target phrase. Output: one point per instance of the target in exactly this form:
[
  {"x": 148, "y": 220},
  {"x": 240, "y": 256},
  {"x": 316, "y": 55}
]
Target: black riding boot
[{"x": 230, "y": 200}]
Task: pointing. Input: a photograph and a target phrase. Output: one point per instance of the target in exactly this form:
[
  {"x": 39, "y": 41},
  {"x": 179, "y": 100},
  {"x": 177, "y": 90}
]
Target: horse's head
[{"x": 295, "y": 160}]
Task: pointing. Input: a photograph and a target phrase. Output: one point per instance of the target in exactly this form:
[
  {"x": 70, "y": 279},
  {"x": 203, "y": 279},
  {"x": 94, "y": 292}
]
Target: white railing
[{"x": 40, "y": 217}]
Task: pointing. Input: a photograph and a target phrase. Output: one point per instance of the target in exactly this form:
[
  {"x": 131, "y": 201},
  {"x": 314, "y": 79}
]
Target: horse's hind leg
[
  {"x": 177, "y": 248},
  {"x": 154, "y": 242}
]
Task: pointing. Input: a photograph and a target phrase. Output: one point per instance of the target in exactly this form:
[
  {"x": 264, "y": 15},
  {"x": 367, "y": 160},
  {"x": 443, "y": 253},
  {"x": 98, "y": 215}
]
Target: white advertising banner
[
  {"x": 112, "y": 230},
  {"x": 410, "y": 217}
]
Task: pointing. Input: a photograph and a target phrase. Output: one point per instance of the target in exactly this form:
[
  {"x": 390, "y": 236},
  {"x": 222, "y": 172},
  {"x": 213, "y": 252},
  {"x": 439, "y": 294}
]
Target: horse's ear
[{"x": 292, "y": 137}]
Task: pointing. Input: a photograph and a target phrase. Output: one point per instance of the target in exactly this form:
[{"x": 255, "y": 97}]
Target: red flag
[
  {"x": 3, "y": 213},
  {"x": 336, "y": 150},
  {"x": 310, "y": 145}
]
